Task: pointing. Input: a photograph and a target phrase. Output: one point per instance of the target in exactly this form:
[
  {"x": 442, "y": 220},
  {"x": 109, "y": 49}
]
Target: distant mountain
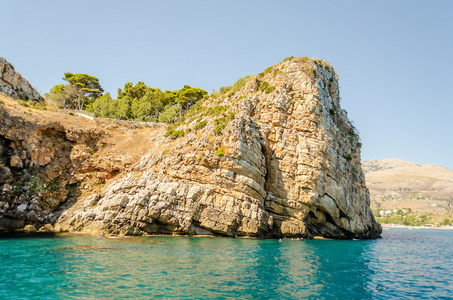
[{"x": 395, "y": 183}]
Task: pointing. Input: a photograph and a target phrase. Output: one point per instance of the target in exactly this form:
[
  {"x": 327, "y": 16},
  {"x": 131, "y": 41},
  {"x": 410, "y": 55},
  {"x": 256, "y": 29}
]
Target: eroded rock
[{"x": 287, "y": 164}]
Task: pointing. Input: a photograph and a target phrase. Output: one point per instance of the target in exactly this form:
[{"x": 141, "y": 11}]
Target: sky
[{"x": 394, "y": 58}]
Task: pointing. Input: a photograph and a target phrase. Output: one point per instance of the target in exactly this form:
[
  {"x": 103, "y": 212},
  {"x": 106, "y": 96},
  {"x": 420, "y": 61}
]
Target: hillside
[{"x": 397, "y": 184}]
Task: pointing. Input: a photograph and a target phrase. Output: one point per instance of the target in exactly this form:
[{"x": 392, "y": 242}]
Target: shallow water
[{"x": 403, "y": 264}]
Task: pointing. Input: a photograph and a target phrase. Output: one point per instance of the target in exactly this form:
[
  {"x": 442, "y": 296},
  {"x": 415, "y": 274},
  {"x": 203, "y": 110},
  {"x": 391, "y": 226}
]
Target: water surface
[{"x": 403, "y": 264}]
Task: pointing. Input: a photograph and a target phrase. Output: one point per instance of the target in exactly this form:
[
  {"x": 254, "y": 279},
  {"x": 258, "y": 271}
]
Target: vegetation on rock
[
  {"x": 261, "y": 158},
  {"x": 134, "y": 102},
  {"x": 78, "y": 93}
]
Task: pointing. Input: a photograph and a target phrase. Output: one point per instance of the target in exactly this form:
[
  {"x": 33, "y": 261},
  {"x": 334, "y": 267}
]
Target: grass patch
[{"x": 220, "y": 152}]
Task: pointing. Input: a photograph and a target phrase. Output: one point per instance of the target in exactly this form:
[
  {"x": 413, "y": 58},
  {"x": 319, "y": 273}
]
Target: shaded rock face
[
  {"x": 276, "y": 157},
  {"x": 13, "y": 85}
]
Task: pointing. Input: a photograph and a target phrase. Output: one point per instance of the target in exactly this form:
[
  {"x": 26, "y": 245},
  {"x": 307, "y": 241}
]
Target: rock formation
[
  {"x": 13, "y": 85},
  {"x": 274, "y": 157},
  {"x": 35, "y": 164}
]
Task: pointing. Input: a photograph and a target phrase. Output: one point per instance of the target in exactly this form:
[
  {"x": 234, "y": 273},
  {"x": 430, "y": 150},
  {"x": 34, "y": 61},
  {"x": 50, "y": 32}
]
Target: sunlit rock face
[
  {"x": 272, "y": 156},
  {"x": 13, "y": 85},
  {"x": 275, "y": 157}
]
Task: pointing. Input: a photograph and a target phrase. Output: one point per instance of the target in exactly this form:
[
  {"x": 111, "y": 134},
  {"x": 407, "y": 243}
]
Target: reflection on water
[{"x": 402, "y": 264}]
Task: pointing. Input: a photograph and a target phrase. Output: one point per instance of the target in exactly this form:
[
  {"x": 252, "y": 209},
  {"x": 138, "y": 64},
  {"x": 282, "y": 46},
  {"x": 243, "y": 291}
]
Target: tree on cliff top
[
  {"x": 81, "y": 90},
  {"x": 84, "y": 88},
  {"x": 188, "y": 96}
]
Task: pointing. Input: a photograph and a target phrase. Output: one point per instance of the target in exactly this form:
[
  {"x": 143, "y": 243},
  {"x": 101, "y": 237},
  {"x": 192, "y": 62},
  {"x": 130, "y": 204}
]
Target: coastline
[{"x": 388, "y": 226}]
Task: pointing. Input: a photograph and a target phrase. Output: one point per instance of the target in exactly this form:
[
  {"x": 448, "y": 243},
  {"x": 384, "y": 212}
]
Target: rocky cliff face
[
  {"x": 36, "y": 170},
  {"x": 13, "y": 85},
  {"x": 273, "y": 157}
]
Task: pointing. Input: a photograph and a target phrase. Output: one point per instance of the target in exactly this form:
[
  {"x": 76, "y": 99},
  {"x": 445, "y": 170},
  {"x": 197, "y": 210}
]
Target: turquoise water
[{"x": 405, "y": 263}]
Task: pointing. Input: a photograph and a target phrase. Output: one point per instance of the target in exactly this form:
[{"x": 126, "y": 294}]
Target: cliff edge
[
  {"x": 273, "y": 156},
  {"x": 13, "y": 85}
]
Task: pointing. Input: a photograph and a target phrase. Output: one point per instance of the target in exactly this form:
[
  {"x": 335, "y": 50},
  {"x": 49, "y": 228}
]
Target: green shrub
[
  {"x": 218, "y": 130},
  {"x": 173, "y": 134},
  {"x": 236, "y": 86},
  {"x": 23, "y": 97},
  {"x": 217, "y": 110},
  {"x": 170, "y": 114},
  {"x": 221, "y": 120},
  {"x": 222, "y": 123},
  {"x": 310, "y": 71},
  {"x": 348, "y": 157},
  {"x": 263, "y": 85},
  {"x": 269, "y": 89},
  {"x": 23, "y": 103},
  {"x": 267, "y": 70},
  {"x": 288, "y": 58},
  {"x": 1, "y": 101},
  {"x": 241, "y": 82},
  {"x": 225, "y": 89},
  {"x": 200, "y": 125},
  {"x": 70, "y": 113},
  {"x": 215, "y": 94},
  {"x": 446, "y": 222},
  {"x": 319, "y": 62},
  {"x": 220, "y": 152}
]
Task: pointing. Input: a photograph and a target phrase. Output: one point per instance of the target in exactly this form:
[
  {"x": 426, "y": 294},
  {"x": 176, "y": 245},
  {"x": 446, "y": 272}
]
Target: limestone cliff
[
  {"x": 12, "y": 84},
  {"x": 273, "y": 157}
]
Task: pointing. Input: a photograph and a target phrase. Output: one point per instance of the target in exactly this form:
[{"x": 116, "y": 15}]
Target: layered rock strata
[
  {"x": 276, "y": 157},
  {"x": 13, "y": 85},
  {"x": 273, "y": 157}
]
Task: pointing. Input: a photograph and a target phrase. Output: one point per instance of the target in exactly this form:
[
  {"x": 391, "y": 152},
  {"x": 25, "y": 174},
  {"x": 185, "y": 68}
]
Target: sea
[{"x": 403, "y": 264}]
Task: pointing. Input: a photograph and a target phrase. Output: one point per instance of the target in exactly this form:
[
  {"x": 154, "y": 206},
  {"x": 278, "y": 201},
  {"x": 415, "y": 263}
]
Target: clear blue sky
[{"x": 394, "y": 58}]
